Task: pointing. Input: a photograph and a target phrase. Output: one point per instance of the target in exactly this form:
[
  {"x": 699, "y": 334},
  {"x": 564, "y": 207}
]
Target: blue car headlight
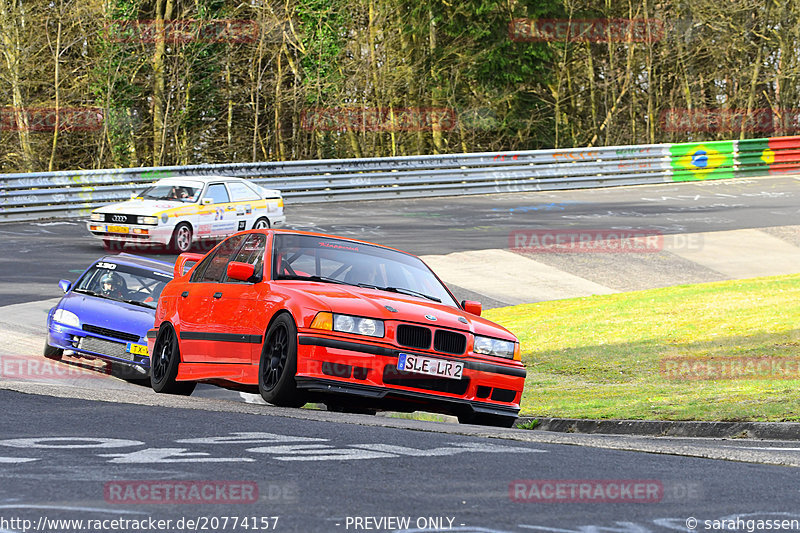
[{"x": 68, "y": 318}]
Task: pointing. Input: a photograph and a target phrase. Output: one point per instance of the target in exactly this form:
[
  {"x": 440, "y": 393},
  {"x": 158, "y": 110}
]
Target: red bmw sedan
[{"x": 301, "y": 317}]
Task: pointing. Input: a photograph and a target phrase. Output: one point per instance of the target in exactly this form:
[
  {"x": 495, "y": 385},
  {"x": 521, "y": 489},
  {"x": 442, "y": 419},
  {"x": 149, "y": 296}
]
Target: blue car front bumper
[{"x": 95, "y": 345}]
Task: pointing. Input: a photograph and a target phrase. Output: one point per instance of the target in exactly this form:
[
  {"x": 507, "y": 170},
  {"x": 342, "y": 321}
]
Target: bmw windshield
[
  {"x": 305, "y": 257},
  {"x": 121, "y": 283}
]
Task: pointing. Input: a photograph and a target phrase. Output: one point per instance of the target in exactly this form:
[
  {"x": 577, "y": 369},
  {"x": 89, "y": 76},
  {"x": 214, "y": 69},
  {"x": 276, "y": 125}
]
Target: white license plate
[{"x": 430, "y": 366}]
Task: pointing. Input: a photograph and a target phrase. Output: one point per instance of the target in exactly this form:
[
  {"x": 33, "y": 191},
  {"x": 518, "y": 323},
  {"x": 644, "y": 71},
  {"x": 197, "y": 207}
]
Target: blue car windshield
[
  {"x": 123, "y": 283},
  {"x": 305, "y": 257}
]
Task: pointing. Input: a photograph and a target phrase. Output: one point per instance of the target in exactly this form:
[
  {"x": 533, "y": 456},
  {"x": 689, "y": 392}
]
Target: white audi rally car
[{"x": 179, "y": 211}]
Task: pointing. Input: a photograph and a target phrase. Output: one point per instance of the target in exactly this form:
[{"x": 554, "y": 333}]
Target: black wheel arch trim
[{"x": 307, "y": 340}]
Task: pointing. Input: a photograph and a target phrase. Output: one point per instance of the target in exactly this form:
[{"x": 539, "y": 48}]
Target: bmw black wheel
[
  {"x": 164, "y": 364},
  {"x": 482, "y": 419},
  {"x": 278, "y": 365}
]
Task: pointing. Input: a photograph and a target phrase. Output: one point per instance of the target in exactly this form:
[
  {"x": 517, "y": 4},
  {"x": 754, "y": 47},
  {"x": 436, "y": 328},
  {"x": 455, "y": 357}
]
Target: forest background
[{"x": 126, "y": 83}]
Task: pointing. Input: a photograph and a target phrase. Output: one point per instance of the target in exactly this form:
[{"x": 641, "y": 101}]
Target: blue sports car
[{"x": 107, "y": 312}]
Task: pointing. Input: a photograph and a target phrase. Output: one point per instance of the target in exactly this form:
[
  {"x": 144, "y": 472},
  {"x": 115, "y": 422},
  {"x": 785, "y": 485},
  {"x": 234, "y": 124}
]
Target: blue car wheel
[{"x": 53, "y": 353}]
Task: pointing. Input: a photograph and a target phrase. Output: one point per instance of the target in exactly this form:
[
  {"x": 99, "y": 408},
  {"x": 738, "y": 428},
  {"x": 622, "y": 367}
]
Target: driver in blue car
[{"x": 112, "y": 285}]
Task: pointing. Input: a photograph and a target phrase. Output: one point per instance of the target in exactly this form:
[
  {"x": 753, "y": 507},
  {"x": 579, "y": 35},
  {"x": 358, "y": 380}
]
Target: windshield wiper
[
  {"x": 92, "y": 293},
  {"x": 401, "y": 290},
  {"x": 135, "y": 302},
  {"x": 321, "y": 279}
]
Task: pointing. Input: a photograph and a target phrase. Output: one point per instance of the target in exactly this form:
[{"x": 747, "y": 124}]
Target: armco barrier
[{"x": 43, "y": 195}]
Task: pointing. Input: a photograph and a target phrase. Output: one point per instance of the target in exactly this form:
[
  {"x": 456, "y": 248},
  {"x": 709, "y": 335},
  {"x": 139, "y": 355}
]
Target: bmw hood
[
  {"x": 389, "y": 306},
  {"x": 109, "y": 314}
]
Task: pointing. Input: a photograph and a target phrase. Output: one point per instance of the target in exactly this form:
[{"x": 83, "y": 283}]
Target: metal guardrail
[{"x": 64, "y": 194}]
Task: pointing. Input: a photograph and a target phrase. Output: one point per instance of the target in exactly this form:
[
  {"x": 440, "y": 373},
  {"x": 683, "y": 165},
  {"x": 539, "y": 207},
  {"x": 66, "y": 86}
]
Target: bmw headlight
[
  {"x": 370, "y": 327},
  {"x": 358, "y": 325},
  {"x": 97, "y": 217},
  {"x": 68, "y": 318},
  {"x": 147, "y": 221},
  {"x": 489, "y": 346}
]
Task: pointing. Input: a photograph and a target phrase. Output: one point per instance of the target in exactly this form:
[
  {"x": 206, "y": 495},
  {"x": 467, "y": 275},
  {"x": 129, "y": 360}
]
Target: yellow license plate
[
  {"x": 138, "y": 349},
  {"x": 117, "y": 229}
]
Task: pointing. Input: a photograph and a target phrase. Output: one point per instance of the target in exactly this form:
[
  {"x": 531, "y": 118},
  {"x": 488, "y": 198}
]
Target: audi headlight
[
  {"x": 489, "y": 346},
  {"x": 67, "y": 318},
  {"x": 97, "y": 217},
  {"x": 147, "y": 221},
  {"x": 357, "y": 325}
]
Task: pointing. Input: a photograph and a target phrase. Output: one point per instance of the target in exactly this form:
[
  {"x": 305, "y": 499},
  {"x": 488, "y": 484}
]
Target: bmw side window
[
  {"x": 200, "y": 271},
  {"x": 215, "y": 268},
  {"x": 251, "y": 252},
  {"x": 217, "y": 193}
]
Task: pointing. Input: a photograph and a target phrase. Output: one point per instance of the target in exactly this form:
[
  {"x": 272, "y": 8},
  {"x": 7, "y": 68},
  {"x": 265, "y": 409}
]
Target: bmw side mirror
[
  {"x": 471, "y": 307},
  {"x": 240, "y": 271},
  {"x": 65, "y": 285}
]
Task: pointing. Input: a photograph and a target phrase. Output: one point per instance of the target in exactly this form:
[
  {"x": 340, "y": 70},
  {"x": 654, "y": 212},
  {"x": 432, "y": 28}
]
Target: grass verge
[{"x": 628, "y": 355}]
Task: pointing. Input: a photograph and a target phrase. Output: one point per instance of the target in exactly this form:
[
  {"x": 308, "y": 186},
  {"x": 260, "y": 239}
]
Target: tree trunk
[
  {"x": 56, "y": 83},
  {"x": 10, "y": 23},
  {"x": 164, "y": 10}
]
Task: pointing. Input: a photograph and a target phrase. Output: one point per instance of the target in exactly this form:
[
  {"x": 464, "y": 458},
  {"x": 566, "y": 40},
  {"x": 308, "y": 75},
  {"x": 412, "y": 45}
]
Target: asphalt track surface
[
  {"x": 321, "y": 476},
  {"x": 36, "y": 255},
  {"x": 330, "y": 472}
]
